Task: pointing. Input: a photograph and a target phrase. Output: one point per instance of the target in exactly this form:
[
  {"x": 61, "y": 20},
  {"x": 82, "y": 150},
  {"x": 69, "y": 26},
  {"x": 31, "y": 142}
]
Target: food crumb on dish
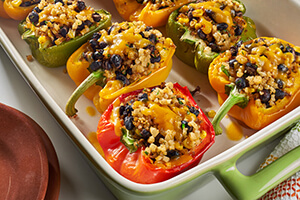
[
  {"x": 211, "y": 113},
  {"x": 29, "y": 58}
]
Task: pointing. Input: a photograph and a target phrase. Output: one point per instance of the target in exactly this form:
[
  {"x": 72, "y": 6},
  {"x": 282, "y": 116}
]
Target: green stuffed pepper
[
  {"x": 203, "y": 29},
  {"x": 55, "y": 30}
]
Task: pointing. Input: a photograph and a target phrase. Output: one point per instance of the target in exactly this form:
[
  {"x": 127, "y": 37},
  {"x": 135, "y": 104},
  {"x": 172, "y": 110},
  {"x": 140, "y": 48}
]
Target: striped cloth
[{"x": 290, "y": 188}]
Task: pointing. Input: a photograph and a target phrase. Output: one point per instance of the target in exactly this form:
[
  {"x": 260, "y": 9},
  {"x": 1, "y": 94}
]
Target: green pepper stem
[
  {"x": 234, "y": 98},
  {"x": 128, "y": 141},
  {"x": 87, "y": 83}
]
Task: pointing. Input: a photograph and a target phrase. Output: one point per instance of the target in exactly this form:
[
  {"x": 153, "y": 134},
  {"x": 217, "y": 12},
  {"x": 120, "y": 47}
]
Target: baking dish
[{"x": 53, "y": 86}]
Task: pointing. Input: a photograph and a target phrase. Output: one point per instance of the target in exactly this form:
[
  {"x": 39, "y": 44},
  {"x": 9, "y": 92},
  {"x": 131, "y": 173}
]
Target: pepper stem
[
  {"x": 128, "y": 141},
  {"x": 235, "y": 97},
  {"x": 87, "y": 83}
]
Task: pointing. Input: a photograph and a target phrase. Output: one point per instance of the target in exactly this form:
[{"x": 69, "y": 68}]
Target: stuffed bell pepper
[
  {"x": 204, "y": 29},
  {"x": 153, "y": 134},
  {"x": 17, "y": 9},
  {"x": 3, "y": 13},
  {"x": 257, "y": 82},
  {"x": 55, "y": 30},
  {"x": 152, "y": 12},
  {"x": 125, "y": 57}
]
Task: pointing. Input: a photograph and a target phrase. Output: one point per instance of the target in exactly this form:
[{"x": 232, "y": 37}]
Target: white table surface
[{"x": 78, "y": 180}]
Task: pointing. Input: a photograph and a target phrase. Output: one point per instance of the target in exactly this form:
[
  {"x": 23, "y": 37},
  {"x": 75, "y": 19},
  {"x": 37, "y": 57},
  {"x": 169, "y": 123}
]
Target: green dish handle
[{"x": 252, "y": 187}]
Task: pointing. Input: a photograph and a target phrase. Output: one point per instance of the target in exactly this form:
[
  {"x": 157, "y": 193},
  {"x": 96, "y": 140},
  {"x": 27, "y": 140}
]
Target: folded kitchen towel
[{"x": 290, "y": 188}]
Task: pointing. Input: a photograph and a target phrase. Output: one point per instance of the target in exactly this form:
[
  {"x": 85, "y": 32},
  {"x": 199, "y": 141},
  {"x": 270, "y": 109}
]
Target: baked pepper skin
[
  {"x": 131, "y": 10},
  {"x": 103, "y": 93},
  {"x": 244, "y": 108},
  {"x": 135, "y": 166},
  {"x": 3, "y": 13},
  {"x": 190, "y": 51},
  {"x": 57, "y": 55},
  {"x": 17, "y": 12}
]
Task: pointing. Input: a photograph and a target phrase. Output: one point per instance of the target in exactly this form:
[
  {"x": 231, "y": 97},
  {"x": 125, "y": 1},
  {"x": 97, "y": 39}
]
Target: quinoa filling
[
  {"x": 59, "y": 21},
  {"x": 217, "y": 23},
  {"x": 127, "y": 52},
  {"x": 264, "y": 70},
  {"x": 162, "y": 122},
  {"x": 158, "y": 4}
]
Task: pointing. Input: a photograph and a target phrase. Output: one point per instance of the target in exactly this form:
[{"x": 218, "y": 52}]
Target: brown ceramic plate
[
  {"x": 24, "y": 165},
  {"x": 54, "y": 171}
]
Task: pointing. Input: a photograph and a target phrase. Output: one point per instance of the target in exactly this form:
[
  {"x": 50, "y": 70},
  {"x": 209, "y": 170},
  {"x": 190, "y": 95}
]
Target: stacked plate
[{"x": 29, "y": 166}]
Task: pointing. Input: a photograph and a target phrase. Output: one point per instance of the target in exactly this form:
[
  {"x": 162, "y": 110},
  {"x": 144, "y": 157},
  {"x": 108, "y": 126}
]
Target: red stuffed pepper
[{"x": 151, "y": 135}]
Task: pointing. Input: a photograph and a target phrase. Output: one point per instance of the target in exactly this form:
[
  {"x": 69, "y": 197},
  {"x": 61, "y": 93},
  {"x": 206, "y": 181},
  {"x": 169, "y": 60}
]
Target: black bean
[
  {"x": 173, "y": 153},
  {"x": 282, "y": 68},
  {"x": 94, "y": 44},
  {"x": 280, "y": 83},
  {"x": 26, "y": 4},
  {"x": 223, "y": 6},
  {"x": 201, "y": 34},
  {"x": 36, "y": 9},
  {"x": 210, "y": 13},
  {"x": 110, "y": 30},
  {"x": 121, "y": 110},
  {"x": 129, "y": 71},
  {"x": 80, "y": 5},
  {"x": 266, "y": 96},
  {"x": 88, "y": 23},
  {"x": 155, "y": 59},
  {"x": 145, "y": 134},
  {"x": 142, "y": 34},
  {"x": 190, "y": 14},
  {"x": 279, "y": 94},
  {"x": 157, "y": 139},
  {"x": 102, "y": 45},
  {"x": 239, "y": 44},
  {"x": 194, "y": 111},
  {"x": 152, "y": 38},
  {"x": 148, "y": 28},
  {"x": 151, "y": 47},
  {"x": 61, "y": 1},
  {"x": 98, "y": 54},
  {"x": 128, "y": 110},
  {"x": 64, "y": 31},
  {"x": 107, "y": 65},
  {"x": 184, "y": 124},
  {"x": 250, "y": 69},
  {"x": 80, "y": 27},
  {"x": 121, "y": 77},
  {"x": 33, "y": 17},
  {"x": 128, "y": 122},
  {"x": 96, "y": 36},
  {"x": 222, "y": 26},
  {"x": 232, "y": 63},
  {"x": 96, "y": 17},
  {"x": 239, "y": 14},
  {"x": 43, "y": 23},
  {"x": 238, "y": 31},
  {"x": 116, "y": 60},
  {"x": 214, "y": 47},
  {"x": 240, "y": 83},
  {"x": 94, "y": 66},
  {"x": 289, "y": 49},
  {"x": 281, "y": 47},
  {"x": 233, "y": 50},
  {"x": 143, "y": 97}
]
